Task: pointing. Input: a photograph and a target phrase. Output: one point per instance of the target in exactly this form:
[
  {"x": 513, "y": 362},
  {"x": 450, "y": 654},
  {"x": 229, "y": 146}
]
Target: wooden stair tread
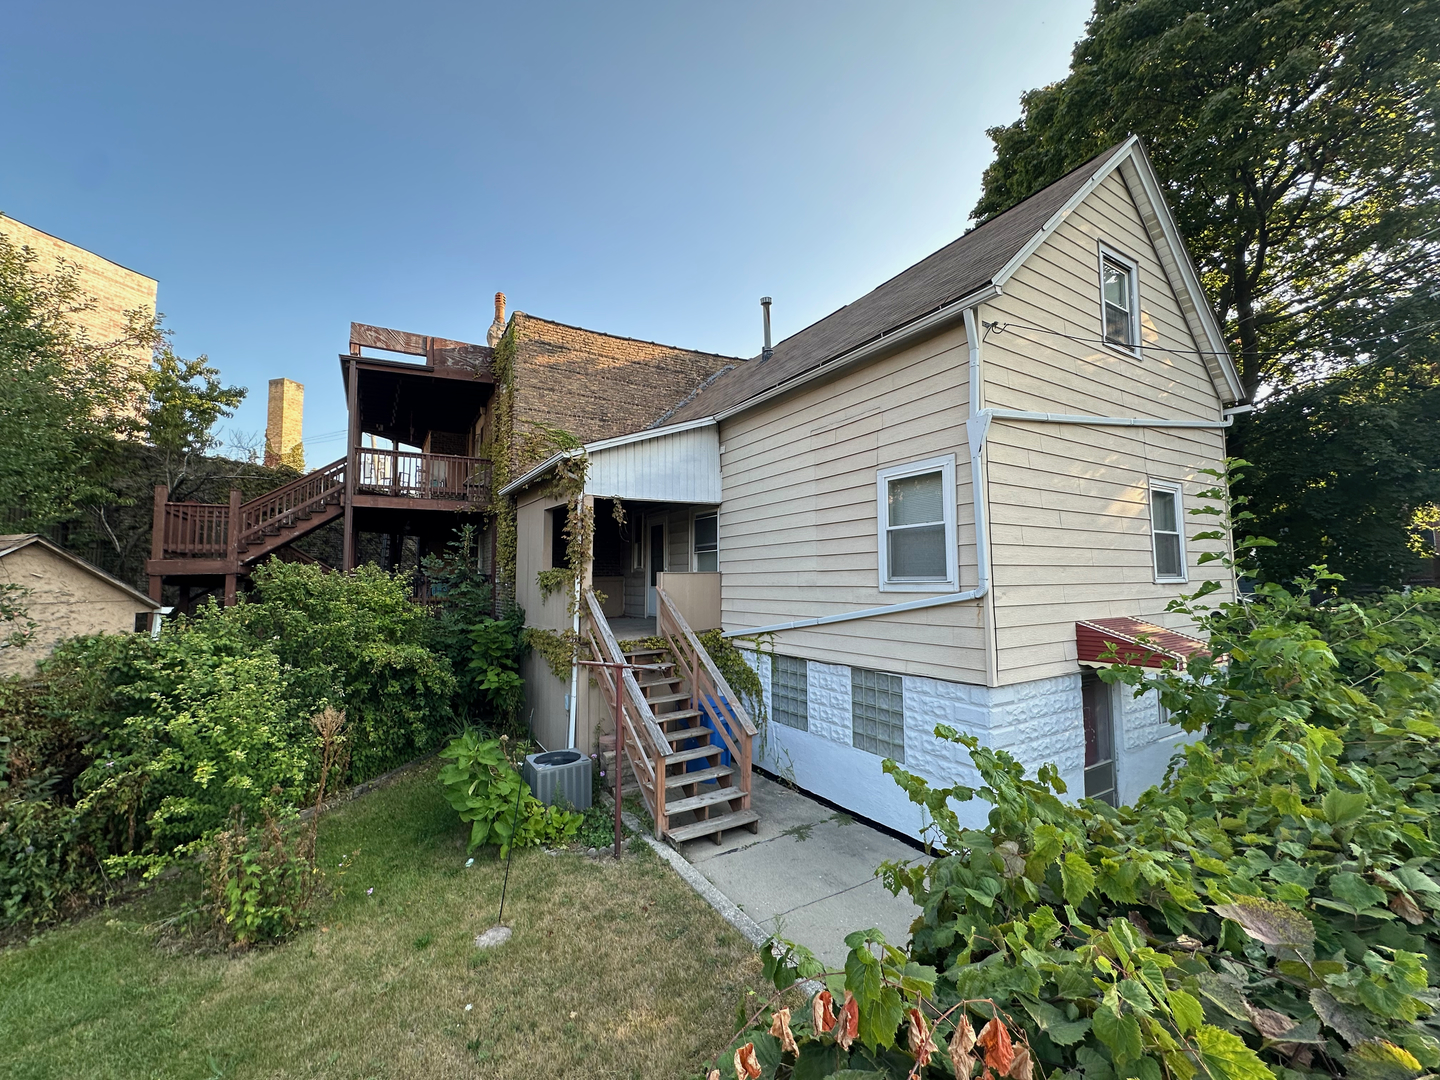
[
  {"x": 711, "y": 825},
  {"x": 689, "y": 733},
  {"x": 662, "y": 699},
  {"x": 631, "y": 654},
  {"x": 707, "y": 798},
  {"x": 693, "y": 753},
  {"x": 678, "y": 714},
  {"x": 699, "y": 776}
]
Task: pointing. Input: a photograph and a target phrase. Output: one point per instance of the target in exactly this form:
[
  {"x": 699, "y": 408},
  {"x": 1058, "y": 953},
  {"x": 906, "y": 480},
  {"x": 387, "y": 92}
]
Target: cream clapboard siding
[
  {"x": 798, "y": 524},
  {"x": 1069, "y": 511}
]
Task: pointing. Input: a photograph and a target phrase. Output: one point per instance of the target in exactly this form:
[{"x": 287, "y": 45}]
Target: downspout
[
  {"x": 575, "y": 668},
  {"x": 977, "y": 427}
]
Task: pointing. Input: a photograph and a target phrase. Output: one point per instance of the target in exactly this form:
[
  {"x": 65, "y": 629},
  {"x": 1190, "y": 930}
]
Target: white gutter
[{"x": 977, "y": 427}]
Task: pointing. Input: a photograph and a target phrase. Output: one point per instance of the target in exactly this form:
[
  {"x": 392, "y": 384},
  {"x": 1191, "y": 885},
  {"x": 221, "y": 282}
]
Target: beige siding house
[
  {"x": 64, "y": 596},
  {"x": 919, "y": 498}
]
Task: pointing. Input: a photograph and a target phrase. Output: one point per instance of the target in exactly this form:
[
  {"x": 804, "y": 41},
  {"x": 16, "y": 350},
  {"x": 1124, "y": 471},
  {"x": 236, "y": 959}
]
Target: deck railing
[
  {"x": 709, "y": 691},
  {"x": 195, "y": 530},
  {"x": 423, "y": 476},
  {"x": 640, "y": 741},
  {"x": 287, "y": 503}
]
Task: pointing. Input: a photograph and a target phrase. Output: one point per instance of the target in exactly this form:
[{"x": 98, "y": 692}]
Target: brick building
[{"x": 114, "y": 289}]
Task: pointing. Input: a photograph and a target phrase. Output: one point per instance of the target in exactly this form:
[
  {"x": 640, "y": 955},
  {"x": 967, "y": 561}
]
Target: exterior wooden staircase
[{"x": 684, "y": 734}]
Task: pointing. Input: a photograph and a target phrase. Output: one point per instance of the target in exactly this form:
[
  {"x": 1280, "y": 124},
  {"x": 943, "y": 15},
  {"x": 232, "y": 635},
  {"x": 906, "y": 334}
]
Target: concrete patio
[{"x": 809, "y": 874}]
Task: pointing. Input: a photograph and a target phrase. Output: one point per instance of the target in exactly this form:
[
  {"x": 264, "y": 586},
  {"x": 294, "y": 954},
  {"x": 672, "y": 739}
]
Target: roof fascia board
[
  {"x": 1133, "y": 152},
  {"x": 1189, "y": 276},
  {"x": 891, "y": 341},
  {"x": 89, "y": 568},
  {"x": 649, "y": 433},
  {"x": 603, "y": 444},
  {"x": 1058, "y": 217}
]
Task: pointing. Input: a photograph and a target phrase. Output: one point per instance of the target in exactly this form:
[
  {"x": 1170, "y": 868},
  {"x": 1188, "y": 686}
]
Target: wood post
[
  {"x": 157, "y": 537},
  {"x": 352, "y": 396}
]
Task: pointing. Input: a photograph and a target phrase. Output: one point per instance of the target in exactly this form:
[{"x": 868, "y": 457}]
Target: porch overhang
[
  {"x": 1134, "y": 642},
  {"x": 679, "y": 463}
]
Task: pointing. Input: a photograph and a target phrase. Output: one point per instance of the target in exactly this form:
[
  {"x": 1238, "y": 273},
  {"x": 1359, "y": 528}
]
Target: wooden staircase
[{"x": 689, "y": 752}]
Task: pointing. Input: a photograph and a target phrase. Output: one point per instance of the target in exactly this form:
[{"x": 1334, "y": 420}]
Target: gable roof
[
  {"x": 964, "y": 272},
  {"x": 13, "y": 542}
]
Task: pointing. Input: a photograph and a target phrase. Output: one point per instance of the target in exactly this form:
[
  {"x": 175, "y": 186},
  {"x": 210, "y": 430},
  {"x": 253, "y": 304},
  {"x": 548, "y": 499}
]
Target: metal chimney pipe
[{"x": 767, "y": 351}]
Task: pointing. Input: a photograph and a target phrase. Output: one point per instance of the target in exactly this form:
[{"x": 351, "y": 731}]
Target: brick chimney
[
  {"x": 283, "y": 442},
  {"x": 497, "y": 328}
]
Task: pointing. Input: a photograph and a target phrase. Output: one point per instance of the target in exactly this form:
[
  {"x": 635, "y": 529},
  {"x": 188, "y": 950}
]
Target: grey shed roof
[{"x": 956, "y": 270}]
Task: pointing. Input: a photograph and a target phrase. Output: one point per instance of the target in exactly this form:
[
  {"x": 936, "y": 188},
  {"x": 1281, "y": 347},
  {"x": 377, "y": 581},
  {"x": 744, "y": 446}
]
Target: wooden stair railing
[
  {"x": 287, "y": 505},
  {"x": 709, "y": 691},
  {"x": 640, "y": 742}
]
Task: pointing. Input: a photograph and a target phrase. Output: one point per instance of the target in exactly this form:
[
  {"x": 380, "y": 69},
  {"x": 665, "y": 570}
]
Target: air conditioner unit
[{"x": 560, "y": 777}]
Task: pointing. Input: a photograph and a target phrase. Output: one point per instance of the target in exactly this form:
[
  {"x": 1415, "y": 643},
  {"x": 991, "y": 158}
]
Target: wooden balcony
[{"x": 405, "y": 474}]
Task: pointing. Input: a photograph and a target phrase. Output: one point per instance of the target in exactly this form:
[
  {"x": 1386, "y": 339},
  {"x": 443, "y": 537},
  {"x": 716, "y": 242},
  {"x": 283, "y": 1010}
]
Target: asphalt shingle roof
[{"x": 956, "y": 270}]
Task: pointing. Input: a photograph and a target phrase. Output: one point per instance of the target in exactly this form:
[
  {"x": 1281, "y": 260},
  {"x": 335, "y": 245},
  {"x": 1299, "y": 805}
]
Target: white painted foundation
[{"x": 1038, "y": 722}]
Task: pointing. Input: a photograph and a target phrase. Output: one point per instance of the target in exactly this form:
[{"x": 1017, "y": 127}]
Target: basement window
[
  {"x": 917, "y": 526},
  {"x": 790, "y": 691},
  {"x": 877, "y": 713},
  {"x": 1119, "y": 300},
  {"x": 1167, "y": 533}
]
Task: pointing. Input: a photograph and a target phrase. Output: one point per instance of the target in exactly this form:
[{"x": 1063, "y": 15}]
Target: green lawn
[{"x": 614, "y": 971}]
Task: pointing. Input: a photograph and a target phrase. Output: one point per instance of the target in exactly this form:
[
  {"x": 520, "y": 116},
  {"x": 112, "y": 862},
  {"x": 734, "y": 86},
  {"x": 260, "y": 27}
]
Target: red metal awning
[{"x": 1134, "y": 641}]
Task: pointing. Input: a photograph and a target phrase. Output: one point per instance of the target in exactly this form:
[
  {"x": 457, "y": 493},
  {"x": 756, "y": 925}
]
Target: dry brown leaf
[
  {"x": 921, "y": 1044},
  {"x": 822, "y": 1012},
  {"x": 964, "y": 1035},
  {"x": 780, "y": 1028},
  {"x": 746, "y": 1065},
  {"x": 714, "y": 1074},
  {"x": 1021, "y": 1068},
  {"x": 1269, "y": 1023},
  {"x": 847, "y": 1025},
  {"x": 994, "y": 1040},
  {"x": 1403, "y": 905}
]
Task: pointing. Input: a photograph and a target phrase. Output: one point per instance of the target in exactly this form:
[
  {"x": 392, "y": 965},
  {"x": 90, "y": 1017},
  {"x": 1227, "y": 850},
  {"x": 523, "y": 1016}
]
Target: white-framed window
[
  {"x": 1167, "y": 531},
  {"x": 790, "y": 691},
  {"x": 877, "y": 713},
  {"x": 1119, "y": 300},
  {"x": 706, "y": 540},
  {"x": 916, "y": 512}
]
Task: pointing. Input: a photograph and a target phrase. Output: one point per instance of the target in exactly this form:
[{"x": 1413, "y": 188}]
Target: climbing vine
[
  {"x": 500, "y": 450},
  {"x": 558, "y": 647}
]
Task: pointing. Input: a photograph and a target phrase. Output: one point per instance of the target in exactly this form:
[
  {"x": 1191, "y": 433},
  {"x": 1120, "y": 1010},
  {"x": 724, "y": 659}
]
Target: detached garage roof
[
  {"x": 13, "y": 542},
  {"x": 1135, "y": 642}
]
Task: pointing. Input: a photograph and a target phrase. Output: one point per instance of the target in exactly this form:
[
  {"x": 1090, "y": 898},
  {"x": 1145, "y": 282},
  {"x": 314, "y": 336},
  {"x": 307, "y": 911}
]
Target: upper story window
[
  {"x": 1167, "y": 531},
  {"x": 917, "y": 526},
  {"x": 707, "y": 543},
  {"x": 1120, "y": 300}
]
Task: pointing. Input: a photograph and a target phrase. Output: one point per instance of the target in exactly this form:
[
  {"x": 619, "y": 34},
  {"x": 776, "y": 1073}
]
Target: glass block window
[
  {"x": 877, "y": 713},
  {"x": 789, "y": 693}
]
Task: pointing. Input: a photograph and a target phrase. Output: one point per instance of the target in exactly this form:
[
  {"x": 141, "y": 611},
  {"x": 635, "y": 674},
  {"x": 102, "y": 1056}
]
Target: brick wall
[
  {"x": 114, "y": 288},
  {"x": 596, "y": 386},
  {"x": 283, "y": 435}
]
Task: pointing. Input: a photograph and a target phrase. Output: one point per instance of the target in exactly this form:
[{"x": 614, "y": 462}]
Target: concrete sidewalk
[{"x": 809, "y": 875}]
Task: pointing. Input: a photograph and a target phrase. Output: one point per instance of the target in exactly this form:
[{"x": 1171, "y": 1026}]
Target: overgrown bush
[
  {"x": 1271, "y": 910},
  {"x": 125, "y": 753},
  {"x": 490, "y": 794}
]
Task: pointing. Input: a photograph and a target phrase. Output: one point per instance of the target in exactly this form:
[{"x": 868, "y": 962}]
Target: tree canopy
[{"x": 1299, "y": 145}]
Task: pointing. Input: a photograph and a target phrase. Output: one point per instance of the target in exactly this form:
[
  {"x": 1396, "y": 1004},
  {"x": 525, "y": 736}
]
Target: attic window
[{"x": 1119, "y": 300}]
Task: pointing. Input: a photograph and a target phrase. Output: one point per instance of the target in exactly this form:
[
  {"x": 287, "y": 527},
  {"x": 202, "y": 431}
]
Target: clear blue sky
[{"x": 644, "y": 169}]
